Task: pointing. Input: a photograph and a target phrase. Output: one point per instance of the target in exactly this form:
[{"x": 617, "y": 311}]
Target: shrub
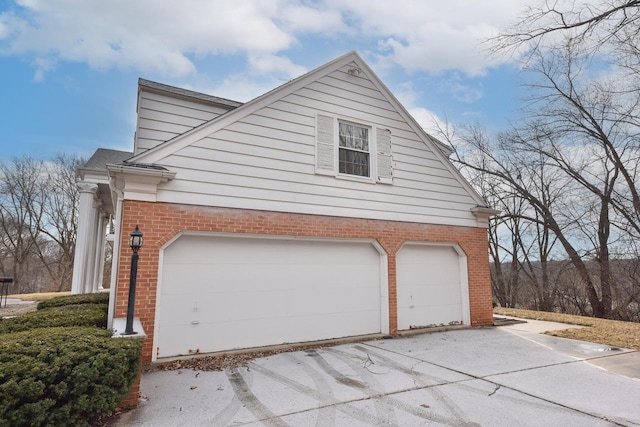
[
  {"x": 63, "y": 376},
  {"x": 69, "y": 315},
  {"x": 97, "y": 298}
]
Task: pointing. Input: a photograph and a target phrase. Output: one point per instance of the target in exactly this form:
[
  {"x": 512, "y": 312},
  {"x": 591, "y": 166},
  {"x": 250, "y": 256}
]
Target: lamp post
[{"x": 135, "y": 241}]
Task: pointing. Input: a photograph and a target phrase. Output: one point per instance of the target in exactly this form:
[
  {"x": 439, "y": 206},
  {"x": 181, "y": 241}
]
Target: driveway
[{"x": 506, "y": 376}]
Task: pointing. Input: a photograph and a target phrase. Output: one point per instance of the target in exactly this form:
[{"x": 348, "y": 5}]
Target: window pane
[
  {"x": 355, "y": 137},
  {"x": 353, "y": 162}
]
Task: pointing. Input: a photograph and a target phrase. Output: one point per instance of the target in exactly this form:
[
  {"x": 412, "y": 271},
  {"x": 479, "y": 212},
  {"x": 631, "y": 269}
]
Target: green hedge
[
  {"x": 69, "y": 315},
  {"x": 97, "y": 298},
  {"x": 63, "y": 376}
]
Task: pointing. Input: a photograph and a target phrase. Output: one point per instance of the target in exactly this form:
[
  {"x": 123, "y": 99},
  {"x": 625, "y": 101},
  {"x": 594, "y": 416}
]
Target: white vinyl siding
[
  {"x": 268, "y": 161},
  {"x": 162, "y": 117}
]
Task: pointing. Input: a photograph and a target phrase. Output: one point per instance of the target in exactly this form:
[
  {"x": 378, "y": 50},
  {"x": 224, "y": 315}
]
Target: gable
[{"x": 263, "y": 155}]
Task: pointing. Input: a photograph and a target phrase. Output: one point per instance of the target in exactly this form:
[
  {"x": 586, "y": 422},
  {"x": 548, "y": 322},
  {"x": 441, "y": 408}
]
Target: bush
[
  {"x": 69, "y": 315},
  {"x": 97, "y": 298},
  {"x": 64, "y": 376}
]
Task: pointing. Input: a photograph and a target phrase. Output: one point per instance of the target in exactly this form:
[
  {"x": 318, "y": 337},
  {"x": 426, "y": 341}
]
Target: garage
[
  {"x": 222, "y": 292},
  {"x": 432, "y": 286}
]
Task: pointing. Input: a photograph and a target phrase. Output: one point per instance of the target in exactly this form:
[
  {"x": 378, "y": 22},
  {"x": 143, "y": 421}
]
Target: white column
[
  {"x": 91, "y": 248},
  {"x": 115, "y": 260},
  {"x": 84, "y": 235},
  {"x": 99, "y": 262}
]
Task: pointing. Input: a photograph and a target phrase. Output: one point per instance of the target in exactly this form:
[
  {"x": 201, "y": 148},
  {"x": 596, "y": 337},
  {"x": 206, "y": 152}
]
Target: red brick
[{"x": 391, "y": 235}]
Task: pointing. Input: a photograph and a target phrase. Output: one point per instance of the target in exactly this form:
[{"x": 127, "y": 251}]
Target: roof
[
  {"x": 188, "y": 93},
  {"x": 104, "y": 156}
]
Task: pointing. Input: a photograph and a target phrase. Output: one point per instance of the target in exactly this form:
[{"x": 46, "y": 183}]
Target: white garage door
[
  {"x": 220, "y": 293},
  {"x": 431, "y": 286}
]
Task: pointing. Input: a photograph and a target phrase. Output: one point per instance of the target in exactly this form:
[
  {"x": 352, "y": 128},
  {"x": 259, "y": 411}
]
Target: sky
[{"x": 69, "y": 68}]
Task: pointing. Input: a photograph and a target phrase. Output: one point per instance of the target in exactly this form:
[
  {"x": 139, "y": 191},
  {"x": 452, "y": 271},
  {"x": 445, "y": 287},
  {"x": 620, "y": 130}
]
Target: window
[
  {"x": 353, "y": 149},
  {"x": 345, "y": 149}
]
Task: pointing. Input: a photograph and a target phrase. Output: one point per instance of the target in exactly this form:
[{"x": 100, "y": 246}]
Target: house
[{"x": 318, "y": 210}]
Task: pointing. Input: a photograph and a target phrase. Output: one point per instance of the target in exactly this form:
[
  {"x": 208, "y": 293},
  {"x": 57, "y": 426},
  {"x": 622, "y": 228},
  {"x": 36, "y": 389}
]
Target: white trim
[{"x": 384, "y": 276}]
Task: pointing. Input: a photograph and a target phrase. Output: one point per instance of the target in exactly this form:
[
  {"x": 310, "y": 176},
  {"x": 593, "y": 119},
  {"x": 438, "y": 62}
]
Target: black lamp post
[{"x": 135, "y": 241}]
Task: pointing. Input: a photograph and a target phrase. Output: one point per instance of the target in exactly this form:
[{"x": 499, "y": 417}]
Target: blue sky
[{"x": 69, "y": 68}]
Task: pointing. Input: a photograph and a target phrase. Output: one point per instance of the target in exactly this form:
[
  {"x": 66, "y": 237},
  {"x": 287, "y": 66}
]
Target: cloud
[
  {"x": 271, "y": 64},
  {"x": 42, "y": 66},
  {"x": 145, "y": 34},
  {"x": 170, "y": 37},
  {"x": 460, "y": 91},
  {"x": 427, "y": 119},
  {"x": 434, "y": 36}
]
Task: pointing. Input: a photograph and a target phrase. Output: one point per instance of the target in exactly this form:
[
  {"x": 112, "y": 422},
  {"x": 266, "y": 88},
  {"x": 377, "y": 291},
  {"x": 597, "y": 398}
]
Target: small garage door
[
  {"x": 220, "y": 293},
  {"x": 431, "y": 286}
]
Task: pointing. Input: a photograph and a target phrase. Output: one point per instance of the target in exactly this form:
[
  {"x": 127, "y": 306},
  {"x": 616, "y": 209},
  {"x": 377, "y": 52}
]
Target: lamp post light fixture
[{"x": 135, "y": 241}]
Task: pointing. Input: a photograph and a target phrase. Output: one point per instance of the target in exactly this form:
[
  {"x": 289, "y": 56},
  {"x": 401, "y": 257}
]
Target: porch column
[
  {"x": 100, "y": 252},
  {"x": 91, "y": 248},
  {"x": 84, "y": 236}
]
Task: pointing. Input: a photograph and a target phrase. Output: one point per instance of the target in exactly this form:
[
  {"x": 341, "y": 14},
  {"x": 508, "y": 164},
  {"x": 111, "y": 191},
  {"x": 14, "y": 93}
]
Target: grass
[
  {"x": 39, "y": 296},
  {"x": 609, "y": 332}
]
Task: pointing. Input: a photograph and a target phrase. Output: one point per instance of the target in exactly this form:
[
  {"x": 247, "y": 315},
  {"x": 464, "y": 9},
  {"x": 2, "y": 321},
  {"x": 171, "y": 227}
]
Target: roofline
[{"x": 187, "y": 94}]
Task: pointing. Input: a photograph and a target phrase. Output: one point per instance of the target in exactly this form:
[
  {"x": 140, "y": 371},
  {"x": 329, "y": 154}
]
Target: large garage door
[
  {"x": 431, "y": 286},
  {"x": 220, "y": 293}
]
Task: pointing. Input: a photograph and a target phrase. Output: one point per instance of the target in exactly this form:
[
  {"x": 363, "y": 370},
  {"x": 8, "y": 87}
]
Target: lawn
[
  {"x": 610, "y": 332},
  {"x": 39, "y": 296}
]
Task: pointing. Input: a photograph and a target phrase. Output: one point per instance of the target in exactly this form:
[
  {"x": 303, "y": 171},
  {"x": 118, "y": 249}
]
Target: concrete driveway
[{"x": 506, "y": 376}]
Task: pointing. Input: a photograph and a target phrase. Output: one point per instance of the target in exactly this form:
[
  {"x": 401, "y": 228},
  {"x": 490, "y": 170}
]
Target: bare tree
[
  {"x": 60, "y": 217},
  {"x": 609, "y": 25},
  {"x": 38, "y": 219},
  {"x": 21, "y": 195}
]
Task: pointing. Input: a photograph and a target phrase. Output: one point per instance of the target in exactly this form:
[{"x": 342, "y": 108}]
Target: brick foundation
[
  {"x": 160, "y": 222},
  {"x": 133, "y": 397}
]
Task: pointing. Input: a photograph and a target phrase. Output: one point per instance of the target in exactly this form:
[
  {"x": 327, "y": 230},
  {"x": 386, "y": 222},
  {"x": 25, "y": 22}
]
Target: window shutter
[
  {"x": 384, "y": 157},
  {"x": 325, "y": 145}
]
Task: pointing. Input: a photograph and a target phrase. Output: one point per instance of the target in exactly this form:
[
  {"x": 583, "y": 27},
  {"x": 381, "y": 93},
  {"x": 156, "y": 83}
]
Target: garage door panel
[
  {"x": 265, "y": 304},
  {"x": 246, "y": 333},
  {"x": 429, "y": 286},
  {"x": 258, "y": 291},
  {"x": 432, "y": 295},
  {"x": 244, "y": 277},
  {"x": 269, "y": 280}
]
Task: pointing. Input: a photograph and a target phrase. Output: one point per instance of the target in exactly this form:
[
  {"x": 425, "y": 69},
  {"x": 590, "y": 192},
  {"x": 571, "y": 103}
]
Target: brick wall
[{"x": 160, "y": 222}]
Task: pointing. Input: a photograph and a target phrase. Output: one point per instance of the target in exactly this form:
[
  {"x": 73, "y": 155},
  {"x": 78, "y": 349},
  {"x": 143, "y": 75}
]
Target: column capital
[{"x": 87, "y": 187}]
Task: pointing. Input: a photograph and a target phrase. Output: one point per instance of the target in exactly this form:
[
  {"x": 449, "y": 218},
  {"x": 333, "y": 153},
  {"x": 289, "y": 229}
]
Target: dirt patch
[{"x": 235, "y": 359}]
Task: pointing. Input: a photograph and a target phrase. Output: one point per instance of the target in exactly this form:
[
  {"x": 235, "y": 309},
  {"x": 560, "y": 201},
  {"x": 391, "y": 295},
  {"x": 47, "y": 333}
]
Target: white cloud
[
  {"x": 42, "y": 66},
  {"x": 243, "y": 88},
  {"x": 271, "y": 64},
  {"x": 321, "y": 19},
  {"x": 145, "y": 34},
  {"x": 170, "y": 37},
  {"x": 434, "y": 36},
  {"x": 427, "y": 119},
  {"x": 460, "y": 91}
]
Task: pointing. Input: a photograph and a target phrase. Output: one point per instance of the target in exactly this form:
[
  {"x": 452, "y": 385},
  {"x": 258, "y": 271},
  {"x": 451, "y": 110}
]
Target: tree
[
  {"x": 21, "y": 195},
  {"x": 38, "y": 220}
]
